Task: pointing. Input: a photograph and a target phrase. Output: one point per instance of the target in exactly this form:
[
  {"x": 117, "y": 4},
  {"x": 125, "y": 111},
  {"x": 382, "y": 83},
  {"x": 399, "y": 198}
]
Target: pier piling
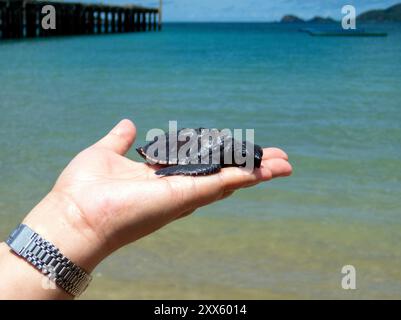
[{"x": 23, "y": 19}]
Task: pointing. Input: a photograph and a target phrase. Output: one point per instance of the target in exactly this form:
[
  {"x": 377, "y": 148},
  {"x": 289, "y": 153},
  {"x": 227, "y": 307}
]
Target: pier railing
[{"x": 23, "y": 19}]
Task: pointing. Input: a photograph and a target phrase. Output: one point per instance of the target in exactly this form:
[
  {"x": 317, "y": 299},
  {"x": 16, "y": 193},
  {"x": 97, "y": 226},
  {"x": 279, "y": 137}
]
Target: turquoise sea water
[{"x": 332, "y": 103}]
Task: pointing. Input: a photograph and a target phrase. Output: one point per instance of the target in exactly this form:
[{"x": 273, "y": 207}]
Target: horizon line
[{"x": 259, "y": 22}]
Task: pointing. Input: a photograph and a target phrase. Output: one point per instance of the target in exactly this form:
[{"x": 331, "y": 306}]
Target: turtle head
[{"x": 258, "y": 155}]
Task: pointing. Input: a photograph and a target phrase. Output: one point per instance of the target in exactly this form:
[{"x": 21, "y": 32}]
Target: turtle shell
[{"x": 194, "y": 146}]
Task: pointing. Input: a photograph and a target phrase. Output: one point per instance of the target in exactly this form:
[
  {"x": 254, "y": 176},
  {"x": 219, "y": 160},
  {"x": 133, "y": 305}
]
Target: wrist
[
  {"x": 22, "y": 281},
  {"x": 58, "y": 220}
]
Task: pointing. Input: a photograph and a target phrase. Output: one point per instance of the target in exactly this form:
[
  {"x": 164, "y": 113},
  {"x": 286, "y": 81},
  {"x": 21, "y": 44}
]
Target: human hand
[{"x": 103, "y": 200}]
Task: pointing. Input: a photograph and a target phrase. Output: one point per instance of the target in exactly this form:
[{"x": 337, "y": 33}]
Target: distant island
[
  {"x": 391, "y": 14},
  {"x": 291, "y": 19},
  {"x": 294, "y": 19}
]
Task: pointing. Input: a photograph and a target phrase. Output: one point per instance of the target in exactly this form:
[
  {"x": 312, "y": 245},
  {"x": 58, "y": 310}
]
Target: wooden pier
[{"x": 23, "y": 19}]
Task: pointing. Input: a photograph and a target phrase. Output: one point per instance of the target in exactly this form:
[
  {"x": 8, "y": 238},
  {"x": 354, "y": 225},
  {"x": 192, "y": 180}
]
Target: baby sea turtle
[{"x": 200, "y": 151}]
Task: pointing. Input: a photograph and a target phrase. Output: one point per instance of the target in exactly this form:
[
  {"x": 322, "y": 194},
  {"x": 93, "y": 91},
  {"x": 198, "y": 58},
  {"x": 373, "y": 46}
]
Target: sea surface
[{"x": 334, "y": 104}]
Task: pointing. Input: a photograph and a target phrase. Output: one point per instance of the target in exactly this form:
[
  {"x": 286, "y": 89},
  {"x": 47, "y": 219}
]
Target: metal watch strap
[{"x": 45, "y": 257}]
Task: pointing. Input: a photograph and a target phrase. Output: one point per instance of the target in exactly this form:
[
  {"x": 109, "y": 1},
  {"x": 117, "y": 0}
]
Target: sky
[{"x": 252, "y": 10}]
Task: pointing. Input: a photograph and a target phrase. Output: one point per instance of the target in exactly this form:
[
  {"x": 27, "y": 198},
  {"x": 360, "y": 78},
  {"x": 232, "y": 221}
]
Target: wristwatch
[{"x": 48, "y": 259}]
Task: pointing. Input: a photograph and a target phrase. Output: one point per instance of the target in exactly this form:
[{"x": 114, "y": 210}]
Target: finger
[
  {"x": 277, "y": 168},
  {"x": 173, "y": 197},
  {"x": 235, "y": 178},
  {"x": 271, "y": 169},
  {"x": 120, "y": 138},
  {"x": 227, "y": 194},
  {"x": 273, "y": 153},
  {"x": 203, "y": 190},
  {"x": 154, "y": 166},
  {"x": 185, "y": 214}
]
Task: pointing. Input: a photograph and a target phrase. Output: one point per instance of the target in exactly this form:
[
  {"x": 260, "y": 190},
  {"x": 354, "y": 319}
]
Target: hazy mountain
[
  {"x": 392, "y": 13},
  {"x": 291, "y": 19},
  {"x": 318, "y": 19}
]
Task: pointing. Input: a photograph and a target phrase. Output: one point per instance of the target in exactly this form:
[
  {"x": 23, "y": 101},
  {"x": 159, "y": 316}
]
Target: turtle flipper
[{"x": 189, "y": 170}]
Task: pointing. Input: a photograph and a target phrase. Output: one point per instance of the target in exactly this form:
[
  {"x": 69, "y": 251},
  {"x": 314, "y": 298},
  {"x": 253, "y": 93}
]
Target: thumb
[{"x": 120, "y": 138}]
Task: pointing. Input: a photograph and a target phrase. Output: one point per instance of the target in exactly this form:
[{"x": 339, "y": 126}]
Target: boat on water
[{"x": 343, "y": 33}]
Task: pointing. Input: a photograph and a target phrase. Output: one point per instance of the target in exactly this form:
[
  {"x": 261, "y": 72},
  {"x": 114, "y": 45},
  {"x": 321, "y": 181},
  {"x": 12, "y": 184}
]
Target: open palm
[{"x": 122, "y": 200}]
